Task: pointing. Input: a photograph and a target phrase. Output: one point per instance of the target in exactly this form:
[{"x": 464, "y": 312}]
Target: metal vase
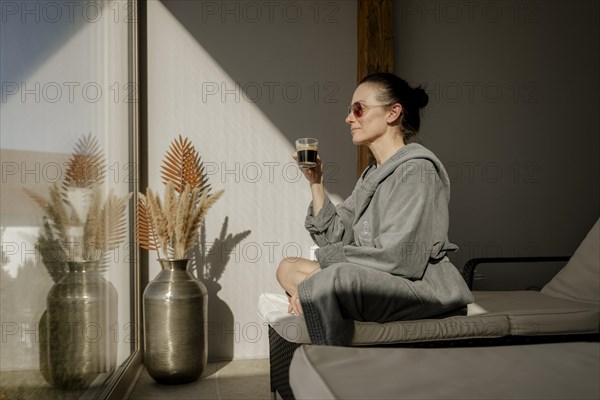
[
  {"x": 81, "y": 311},
  {"x": 175, "y": 321}
]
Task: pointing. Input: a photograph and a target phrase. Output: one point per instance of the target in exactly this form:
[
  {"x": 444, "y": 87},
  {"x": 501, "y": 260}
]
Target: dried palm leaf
[
  {"x": 182, "y": 166},
  {"x": 86, "y": 166}
]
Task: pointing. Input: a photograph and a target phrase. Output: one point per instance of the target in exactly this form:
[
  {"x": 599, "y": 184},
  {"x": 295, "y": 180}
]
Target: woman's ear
[{"x": 394, "y": 114}]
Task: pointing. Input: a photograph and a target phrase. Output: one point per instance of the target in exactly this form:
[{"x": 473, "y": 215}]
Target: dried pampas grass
[
  {"x": 79, "y": 224},
  {"x": 171, "y": 229}
]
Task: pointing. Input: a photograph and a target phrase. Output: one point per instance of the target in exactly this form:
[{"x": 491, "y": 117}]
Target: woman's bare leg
[{"x": 293, "y": 270}]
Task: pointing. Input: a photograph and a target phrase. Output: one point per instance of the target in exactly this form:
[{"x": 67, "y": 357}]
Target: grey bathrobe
[{"x": 383, "y": 250}]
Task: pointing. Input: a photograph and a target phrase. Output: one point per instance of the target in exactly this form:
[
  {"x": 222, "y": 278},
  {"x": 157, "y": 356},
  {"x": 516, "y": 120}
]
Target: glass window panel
[{"x": 65, "y": 123}]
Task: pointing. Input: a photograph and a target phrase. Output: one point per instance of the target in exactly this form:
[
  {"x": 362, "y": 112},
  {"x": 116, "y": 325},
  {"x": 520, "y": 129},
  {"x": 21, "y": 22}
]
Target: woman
[{"x": 382, "y": 252}]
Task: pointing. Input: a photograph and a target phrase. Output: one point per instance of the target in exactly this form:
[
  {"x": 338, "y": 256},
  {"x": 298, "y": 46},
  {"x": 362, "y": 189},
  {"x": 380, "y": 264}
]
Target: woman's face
[{"x": 374, "y": 120}]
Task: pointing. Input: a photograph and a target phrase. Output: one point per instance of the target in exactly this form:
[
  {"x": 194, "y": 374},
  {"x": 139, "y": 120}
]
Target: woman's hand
[
  {"x": 314, "y": 174},
  {"x": 294, "y": 305}
]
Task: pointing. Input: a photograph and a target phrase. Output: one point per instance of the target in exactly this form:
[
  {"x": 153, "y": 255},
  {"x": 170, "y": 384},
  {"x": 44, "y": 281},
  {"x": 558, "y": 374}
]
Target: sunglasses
[{"x": 358, "y": 109}]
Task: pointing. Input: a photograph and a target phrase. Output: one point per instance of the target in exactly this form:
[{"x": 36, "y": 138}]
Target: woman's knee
[
  {"x": 283, "y": 270},
  {"x": 290, "y": 269}
]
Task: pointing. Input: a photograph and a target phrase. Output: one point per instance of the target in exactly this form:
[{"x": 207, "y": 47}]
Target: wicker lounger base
[{"x": 280, "y": 357}]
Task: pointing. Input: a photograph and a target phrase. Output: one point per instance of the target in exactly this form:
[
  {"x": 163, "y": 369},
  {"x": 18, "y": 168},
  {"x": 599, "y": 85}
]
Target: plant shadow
[{"x": 208, "y": 265}]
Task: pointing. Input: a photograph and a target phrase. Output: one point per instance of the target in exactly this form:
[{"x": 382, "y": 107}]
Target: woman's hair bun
[
  {"x": 396, "y": 90},
  {"x": 420, "y": 97}
]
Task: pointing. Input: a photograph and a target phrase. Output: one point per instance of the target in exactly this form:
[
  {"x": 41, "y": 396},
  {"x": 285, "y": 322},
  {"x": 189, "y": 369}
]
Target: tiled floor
[{"x": 240, "y": 379}]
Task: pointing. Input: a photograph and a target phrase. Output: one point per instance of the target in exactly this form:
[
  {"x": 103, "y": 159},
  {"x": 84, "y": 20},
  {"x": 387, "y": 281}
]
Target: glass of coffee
[{"x": 306, "y": 149}]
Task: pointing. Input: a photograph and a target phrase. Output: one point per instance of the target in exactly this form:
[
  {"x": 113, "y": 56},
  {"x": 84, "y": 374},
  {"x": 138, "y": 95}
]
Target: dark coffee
[{"x": 307, "y": 156}]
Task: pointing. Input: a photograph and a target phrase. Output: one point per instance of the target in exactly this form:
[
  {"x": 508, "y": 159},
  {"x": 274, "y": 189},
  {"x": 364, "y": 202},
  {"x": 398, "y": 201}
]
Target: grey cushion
[
  {"x": 579, "y": 280},
  {"x": 535, "y": 313},
  {"x": 426, "y": 330},
  {"x": 493, "y": 314},
  {"x": 272, "y": 308},
  {"x": 541, "y": 371}
]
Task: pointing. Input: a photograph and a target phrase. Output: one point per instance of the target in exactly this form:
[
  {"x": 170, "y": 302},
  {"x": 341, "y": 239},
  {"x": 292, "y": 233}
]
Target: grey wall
[{"x": 513, "y": 114}]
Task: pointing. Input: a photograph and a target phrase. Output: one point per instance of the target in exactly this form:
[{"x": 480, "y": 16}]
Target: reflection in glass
[
  {"x": 80, "y": 308},
  {"x": 65, "y": 73},
  {"x": 81, "y": 225}
]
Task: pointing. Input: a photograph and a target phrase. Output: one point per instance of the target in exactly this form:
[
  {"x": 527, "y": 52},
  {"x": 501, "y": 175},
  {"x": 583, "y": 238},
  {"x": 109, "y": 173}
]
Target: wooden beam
[{"x": 375, "y": 50}]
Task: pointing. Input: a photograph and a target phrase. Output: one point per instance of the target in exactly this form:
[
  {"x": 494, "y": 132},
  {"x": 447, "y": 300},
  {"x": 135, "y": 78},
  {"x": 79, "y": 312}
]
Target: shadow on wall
[
  {"x": 209, "y": 265},
  {"x": 286, "y": 58}
]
